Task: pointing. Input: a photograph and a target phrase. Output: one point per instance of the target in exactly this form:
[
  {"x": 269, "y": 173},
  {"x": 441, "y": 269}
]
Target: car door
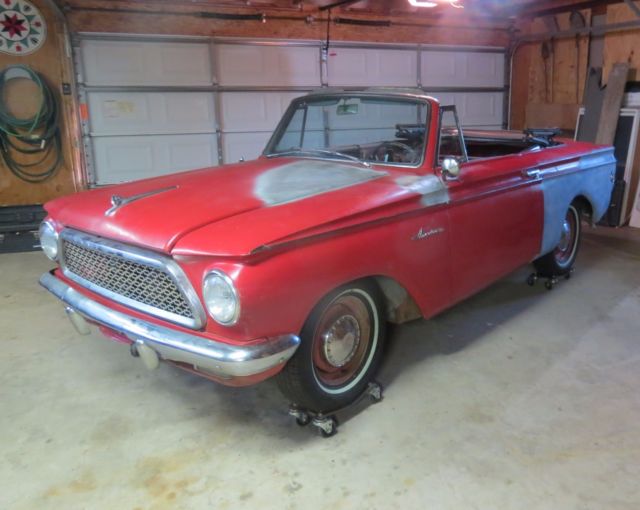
[{"x": 495, "y": 216}]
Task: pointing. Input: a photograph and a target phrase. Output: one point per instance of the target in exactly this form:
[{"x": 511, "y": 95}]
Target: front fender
[{"x": 278, "y": 292}]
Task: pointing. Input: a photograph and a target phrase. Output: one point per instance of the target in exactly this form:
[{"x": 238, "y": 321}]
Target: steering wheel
[{"x": 390, "y": 151}]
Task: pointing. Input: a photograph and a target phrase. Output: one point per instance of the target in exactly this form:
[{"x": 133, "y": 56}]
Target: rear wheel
[
  {"x": 560, "y": 261},
  {"x": 340, "y": 350}
]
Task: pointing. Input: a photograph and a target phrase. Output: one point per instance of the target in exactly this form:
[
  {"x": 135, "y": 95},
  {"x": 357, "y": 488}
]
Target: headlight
[
  {"x": 221, "y": 298},
  {"x": 49, "y": 240}
]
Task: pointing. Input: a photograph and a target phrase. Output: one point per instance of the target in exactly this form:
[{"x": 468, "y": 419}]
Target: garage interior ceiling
[{"x": 489, "y": 8}]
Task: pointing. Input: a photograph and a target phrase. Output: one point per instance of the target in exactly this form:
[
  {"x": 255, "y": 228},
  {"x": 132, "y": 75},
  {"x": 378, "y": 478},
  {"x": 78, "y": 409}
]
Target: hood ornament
[{"x": 118, "y": 201}]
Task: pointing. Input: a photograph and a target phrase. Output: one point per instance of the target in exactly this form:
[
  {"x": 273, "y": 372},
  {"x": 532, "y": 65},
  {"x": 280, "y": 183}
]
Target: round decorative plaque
[{"x": 22, "y": 27}]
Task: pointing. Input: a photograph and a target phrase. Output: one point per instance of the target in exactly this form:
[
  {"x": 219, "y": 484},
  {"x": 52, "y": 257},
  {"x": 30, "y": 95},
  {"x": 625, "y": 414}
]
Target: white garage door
[
  {"x": 475, "y": 71},
  {"x": 248, "y": 119},
  {"x": 478, "y": 74},
  {"x": 374, "y": 67},
  {"x": 145, "y": 117},
  {"x": 162, "y": 105},
  {"x": 249, "y": 115}
]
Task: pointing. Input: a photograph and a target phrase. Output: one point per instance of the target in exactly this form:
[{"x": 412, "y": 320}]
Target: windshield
[{"x": 362, "y": 128}]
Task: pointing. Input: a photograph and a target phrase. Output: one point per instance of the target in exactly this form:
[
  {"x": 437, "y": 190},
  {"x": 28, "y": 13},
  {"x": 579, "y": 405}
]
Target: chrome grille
[{"x": 140, "y": 281}]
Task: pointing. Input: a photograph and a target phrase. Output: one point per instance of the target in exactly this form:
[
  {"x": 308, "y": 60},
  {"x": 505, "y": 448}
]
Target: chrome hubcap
[
  {"x": 341, "y": 341},
  {"x": 565, "y": 236}
]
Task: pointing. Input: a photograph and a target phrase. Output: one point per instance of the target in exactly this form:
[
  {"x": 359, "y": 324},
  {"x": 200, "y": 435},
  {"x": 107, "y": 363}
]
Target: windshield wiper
[{"x": 342, "y": 155}]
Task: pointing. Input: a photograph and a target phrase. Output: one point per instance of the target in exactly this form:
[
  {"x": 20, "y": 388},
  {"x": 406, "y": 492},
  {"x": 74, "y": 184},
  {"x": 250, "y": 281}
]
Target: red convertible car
[{"x": 365, "y": 208}]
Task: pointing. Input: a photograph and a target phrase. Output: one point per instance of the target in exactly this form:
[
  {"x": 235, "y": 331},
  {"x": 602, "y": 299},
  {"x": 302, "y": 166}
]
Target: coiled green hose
[{"x": 37, "y": 135}]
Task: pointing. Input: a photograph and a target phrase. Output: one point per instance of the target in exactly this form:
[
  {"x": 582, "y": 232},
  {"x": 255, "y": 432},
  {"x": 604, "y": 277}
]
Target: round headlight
[
  {"x": 49, "y": 240},
  {"x": 221, "y": 298}
]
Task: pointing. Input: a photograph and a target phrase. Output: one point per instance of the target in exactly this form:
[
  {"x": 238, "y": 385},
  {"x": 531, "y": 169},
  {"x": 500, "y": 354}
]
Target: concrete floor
[{"x": 518, "y": 398}]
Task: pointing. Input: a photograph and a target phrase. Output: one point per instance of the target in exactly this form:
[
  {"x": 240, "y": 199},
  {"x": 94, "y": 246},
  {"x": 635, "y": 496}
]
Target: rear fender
[{"x": 590, "y": 176}]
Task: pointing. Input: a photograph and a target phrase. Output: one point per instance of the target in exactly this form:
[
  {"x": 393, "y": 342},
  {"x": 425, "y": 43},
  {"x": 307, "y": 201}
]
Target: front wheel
[
  {"x": 340, "y": 350},
  {"x": 560, "y": 261}
]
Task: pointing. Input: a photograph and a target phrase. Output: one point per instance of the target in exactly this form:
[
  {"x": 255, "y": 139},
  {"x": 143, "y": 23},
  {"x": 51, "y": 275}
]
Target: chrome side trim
[
  {"x": 138, "y": 255},
  {"x": 562, "y": 169},
  {"x": 218, "y": 358}
]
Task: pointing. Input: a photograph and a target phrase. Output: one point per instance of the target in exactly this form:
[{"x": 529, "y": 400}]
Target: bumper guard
[{"x": 220, "y": 359}]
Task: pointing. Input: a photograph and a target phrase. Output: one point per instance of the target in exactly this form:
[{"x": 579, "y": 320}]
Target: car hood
[{"x": 231, "y": 210}]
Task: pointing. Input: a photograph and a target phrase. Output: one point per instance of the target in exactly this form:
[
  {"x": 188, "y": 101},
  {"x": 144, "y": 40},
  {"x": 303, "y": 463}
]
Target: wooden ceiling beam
[
  {"x": 272, "y": 8},
  {"x": 338, "y": 3},
  {"x": 551, "y": 7}
]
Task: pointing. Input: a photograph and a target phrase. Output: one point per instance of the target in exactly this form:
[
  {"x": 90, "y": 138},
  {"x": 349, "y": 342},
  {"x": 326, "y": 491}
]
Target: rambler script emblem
[
  {"x": 422, "y": 234},
  {"x": 117, "y": 201}
]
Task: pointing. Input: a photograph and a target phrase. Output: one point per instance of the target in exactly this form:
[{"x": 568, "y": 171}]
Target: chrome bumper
[{"x": 220, "y": 359}]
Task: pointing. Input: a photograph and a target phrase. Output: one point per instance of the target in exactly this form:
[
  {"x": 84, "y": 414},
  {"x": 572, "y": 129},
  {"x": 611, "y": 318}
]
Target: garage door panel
[
  {"x": 236, "y": 64},
  {"x": 237, "y": 146},
  {"x": 128, "y": 158},
  {"x": 483, "y": 108},
  {"x": 253, "y": 111},
  {"x": 372, "y": 67},
  {"x": 462, "y": 69},
  {"x": 119, "y": 112},
  {"x": 475, "y": 108},
  {"x": 438, "y": 68},
  {"x": 244, "y": 111},
  {"x": 476, "y": 105},
  {"x": 150, "y": 112},
  {"x": 184, "y": 63},
  {"x": 485, "y": 69},
  {"x": 107, "y": 63},
  {"x": 297, "y": 66},
  {"x": 146, "y": 63},
  {"x": 268, "y": 65},
  {"x": 191, "y": 152},
  {"x": 192, "y": 111}
]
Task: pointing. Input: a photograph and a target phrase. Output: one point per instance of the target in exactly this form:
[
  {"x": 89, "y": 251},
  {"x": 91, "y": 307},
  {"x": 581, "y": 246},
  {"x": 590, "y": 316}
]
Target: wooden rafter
[{"x": 499, "y": 9}]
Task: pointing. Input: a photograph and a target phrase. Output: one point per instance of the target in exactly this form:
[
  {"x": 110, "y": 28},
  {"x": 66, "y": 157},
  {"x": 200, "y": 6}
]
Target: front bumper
[{"x": 219, "y": 359}]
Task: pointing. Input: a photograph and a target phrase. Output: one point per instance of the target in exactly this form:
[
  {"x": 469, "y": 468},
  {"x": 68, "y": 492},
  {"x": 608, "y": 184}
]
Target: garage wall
[
  {"x": 158, "y": 105},
  {"x": 556, "y": 87},
  {"x": 53, "y": 62},
  {"x": 621, "y": 46}
]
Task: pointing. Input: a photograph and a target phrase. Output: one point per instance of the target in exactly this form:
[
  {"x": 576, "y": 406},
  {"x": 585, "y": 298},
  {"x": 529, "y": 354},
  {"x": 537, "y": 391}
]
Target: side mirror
[{"x": 451, "y": 167}]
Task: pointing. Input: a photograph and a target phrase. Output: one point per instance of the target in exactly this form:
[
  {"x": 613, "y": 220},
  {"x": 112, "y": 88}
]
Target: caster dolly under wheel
[
  {"x": 550, "y": 281},
  {"x": 327, "y": 424}
]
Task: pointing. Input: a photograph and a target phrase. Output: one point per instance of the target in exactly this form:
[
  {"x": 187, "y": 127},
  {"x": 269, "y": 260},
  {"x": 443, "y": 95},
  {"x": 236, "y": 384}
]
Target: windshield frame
[{"x": 270, "y": 152}]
